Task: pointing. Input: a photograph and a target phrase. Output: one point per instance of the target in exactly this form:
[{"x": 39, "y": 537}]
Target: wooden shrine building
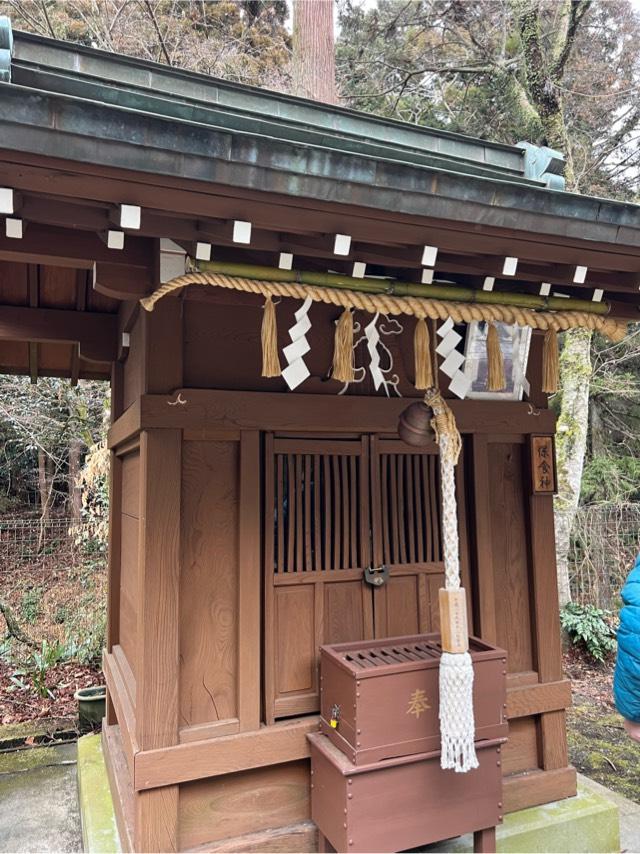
[{"x": 244, "y": 514}]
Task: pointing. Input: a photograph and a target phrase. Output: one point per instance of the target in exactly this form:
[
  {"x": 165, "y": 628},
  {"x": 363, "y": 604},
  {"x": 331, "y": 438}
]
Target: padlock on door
[{"x": 376, "y": 576}]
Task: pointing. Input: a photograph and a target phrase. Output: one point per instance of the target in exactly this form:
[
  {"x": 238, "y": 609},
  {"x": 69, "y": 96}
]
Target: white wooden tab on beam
[
  {"x": 342, "y": 244},
  {"x": 7, "y": 200},
  {"x": 545, "y": 289},
  {"x": 510, "y": 266},
  {"x": 285, "y": 262},
  {"x": 241, "y": 231},
  {"x": 203, "y": 251},
  {"x": 580, "y": 275},
  {"x": 429, "y": 255},
  {"x": 489, "y": 282},
  {"x": 115, "y": 239},
  {"x": 359, "y": 269},
  {"x": 597, "y": 295},
  {"x": 427, "y": 276},
  {"x": 14, "y": 228},
  {"x": 130, "y": 217}
]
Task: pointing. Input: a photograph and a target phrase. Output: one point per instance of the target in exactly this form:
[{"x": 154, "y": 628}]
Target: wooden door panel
[
  {"x": 347, "y": 612},
  {"x": 317, "y": 544},
  {"x": 406, "y": 535}
]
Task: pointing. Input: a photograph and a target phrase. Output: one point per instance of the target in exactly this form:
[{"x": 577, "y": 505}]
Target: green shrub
[
  {"x": 30, "y": 605},
  {"x": 589, "y": 628},
  {"x": 85, "y": 644},
  {"x": 39, "y": 663}
]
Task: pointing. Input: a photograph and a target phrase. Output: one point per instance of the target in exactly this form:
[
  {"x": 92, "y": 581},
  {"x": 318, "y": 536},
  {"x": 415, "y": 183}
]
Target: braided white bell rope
[{"x": 457, "y": 726}]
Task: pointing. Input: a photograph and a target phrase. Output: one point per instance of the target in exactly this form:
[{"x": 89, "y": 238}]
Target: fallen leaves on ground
[{"x": 19, "y": 700}]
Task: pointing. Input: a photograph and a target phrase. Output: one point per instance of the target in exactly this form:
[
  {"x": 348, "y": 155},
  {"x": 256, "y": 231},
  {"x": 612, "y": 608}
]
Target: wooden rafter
[{"x": 95, "y": 333}]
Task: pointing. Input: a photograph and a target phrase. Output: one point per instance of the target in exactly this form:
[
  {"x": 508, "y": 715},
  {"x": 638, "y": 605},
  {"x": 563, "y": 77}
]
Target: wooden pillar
[{"x": 158, "y": 653}]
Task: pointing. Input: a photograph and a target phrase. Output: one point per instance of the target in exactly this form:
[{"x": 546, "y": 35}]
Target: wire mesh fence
[
  {"x": 36, "y": 542},
  {"x": 605, "y": 541}
]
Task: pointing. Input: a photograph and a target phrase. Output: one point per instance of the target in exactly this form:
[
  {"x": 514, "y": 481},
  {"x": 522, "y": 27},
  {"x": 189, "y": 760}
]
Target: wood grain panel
[
  {"x": 510, "y": 553},
  {"x": 133, "y": 366},
  {"x": 298, "y": 838},
  {"x": 521, "y": 752},
  {"x": 156, "y": 827},
  {"x": 209, "y": 582},
  {"x": 243, "y": 803},
  {"x": 157, "y": 646},
  {"x": 295, "y": 641},
  {"x": 131, "y": 484},
  {"x": 345, "y": 617},
  {"x": 128, "y": 631},
  {"x": 403, "y": 604}
]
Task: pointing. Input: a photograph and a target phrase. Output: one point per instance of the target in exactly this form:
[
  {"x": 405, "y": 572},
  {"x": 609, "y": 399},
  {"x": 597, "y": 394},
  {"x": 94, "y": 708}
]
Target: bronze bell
[{"x": 414, "y": 424}]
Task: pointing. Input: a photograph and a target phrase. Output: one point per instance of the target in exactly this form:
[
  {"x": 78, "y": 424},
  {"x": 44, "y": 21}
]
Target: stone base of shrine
[{"x": 588, "y": 823}]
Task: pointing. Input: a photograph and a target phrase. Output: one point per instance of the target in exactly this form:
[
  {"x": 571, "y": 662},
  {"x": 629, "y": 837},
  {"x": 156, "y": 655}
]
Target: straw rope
[{"x": 434, "y": 309}]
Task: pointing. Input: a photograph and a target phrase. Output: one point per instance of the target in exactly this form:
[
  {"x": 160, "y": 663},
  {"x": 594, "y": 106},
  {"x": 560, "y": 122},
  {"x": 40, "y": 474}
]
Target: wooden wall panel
[
  {"x": 295, "y": 664},
  {"x": 344, "y": 612},
  {"x": 133, "y": 365},
  {"x": 231, "y": 358},
  {"x": 229, "y": 806},
  {"x": 521, "y": 753},
  {"x": 403, "y": 605},
  {"x": 129, "y": 538},
  {"x": 510, "y": 554},
  {"x": 209, "y": 582}
]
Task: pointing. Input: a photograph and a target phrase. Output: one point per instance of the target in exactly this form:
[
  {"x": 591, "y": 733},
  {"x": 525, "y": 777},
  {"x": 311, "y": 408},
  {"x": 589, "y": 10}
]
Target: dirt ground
[
  {"x": 598, "y": 745},
  {"x": 58, "y": 597}
]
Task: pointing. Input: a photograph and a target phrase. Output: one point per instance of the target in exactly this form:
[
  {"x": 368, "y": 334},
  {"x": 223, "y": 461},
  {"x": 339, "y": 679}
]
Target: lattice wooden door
[
  {"x": 405, "y": 532},
  {"x": 334, "y": 507}
]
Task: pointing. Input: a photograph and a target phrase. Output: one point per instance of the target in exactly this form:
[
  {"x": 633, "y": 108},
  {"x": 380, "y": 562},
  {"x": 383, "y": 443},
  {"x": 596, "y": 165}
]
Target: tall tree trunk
[
  {"x": 75, "y": 493},
  {"x": 543, "y": 70},
  {"x": 314, "y": 65},
  {"x": 571, "y": 444}
]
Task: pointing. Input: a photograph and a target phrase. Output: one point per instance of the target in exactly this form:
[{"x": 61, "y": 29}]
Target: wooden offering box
[
  {"x": 383, "y": 695},
  {"x": 401, "y": 803}
]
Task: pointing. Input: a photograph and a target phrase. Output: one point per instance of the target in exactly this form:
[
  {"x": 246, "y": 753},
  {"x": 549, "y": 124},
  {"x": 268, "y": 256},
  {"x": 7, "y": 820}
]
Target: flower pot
[{"x": 91, "y": 706}]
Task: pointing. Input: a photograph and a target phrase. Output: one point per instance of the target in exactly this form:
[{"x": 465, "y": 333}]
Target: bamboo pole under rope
[{"x": 399, "y": 287}]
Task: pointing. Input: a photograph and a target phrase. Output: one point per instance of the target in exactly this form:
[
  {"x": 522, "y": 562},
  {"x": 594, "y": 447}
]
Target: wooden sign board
[{"x": 543, "y": 466}]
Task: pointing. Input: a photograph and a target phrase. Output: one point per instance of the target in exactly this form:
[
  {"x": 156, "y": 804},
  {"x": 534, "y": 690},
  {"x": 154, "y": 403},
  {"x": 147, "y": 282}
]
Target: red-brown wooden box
[
  {"x": 387, "y": 695},
  {"x": 401, "y": 803}
]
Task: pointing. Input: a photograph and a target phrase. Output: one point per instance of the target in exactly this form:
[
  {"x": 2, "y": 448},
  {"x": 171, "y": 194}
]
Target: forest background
[{"x": 564, "y": 74}]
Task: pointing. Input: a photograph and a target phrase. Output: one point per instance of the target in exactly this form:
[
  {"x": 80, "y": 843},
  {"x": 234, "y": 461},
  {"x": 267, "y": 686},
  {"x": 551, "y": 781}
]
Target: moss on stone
[
  {"x": 600, "y": 748},
  {"x": 24, "y": 760},
  {"x": 13, "y": 735}
]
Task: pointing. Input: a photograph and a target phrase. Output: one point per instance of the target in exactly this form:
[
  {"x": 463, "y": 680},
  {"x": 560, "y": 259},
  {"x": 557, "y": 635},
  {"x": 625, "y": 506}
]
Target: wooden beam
[
  {"x": 535, "y": 699},
  {"x": 95, "y": 333},
  {"x": 66, "y": 247},
  {"x": 190, "y": 198},
  {"x": 475, "y": 255},
  {"x": 270, "y": 745},
  {"x": 249, "y": 583},
  {"x": 283, "y": 411},
  {"x": 537, "y": 787}
]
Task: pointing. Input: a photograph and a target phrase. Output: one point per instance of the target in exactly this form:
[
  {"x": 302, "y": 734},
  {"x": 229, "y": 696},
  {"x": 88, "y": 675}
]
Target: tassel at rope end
[
  {"x": 422, "y": 356},
  {"x": 269, "y": 337},
  {"x": 550, "y": 362},
  {"x": 343, "y": 348},
  {"x": 457, "y": 726},
  {"x": 496, "y": 379}
]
